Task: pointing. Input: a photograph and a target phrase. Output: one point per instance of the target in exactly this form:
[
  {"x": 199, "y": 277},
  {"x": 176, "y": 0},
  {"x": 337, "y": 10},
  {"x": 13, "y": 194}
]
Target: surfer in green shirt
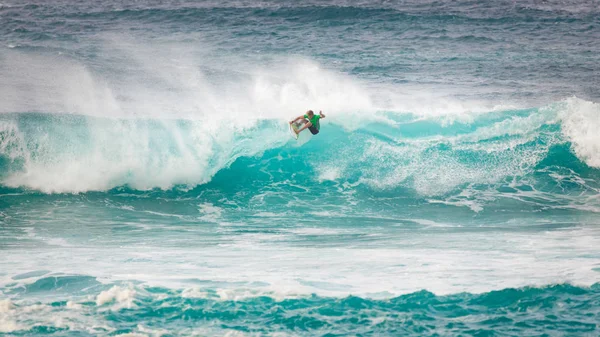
[{"x": 310, "y": 120}]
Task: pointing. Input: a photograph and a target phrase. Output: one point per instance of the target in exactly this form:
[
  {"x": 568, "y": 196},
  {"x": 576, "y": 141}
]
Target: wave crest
[{"x": 72, "y": 153}]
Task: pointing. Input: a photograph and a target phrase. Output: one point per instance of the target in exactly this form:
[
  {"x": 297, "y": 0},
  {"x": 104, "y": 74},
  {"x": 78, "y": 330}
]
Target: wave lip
[
  {"x": 69, "y": 153},
  {"x": 580, "y": 124},
  {"x": 56, "y": 153}
]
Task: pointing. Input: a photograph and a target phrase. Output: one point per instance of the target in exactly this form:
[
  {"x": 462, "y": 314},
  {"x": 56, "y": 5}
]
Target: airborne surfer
[{"x": 310, "y": 120}]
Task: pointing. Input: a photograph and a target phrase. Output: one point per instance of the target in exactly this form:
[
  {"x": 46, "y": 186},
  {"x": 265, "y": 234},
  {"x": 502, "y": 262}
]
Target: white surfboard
[{"x": 293, "y": 128}]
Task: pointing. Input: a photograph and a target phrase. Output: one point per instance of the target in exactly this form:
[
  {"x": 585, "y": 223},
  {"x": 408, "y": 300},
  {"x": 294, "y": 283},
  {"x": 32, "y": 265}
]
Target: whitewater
[{"x": 149, "y": 184}]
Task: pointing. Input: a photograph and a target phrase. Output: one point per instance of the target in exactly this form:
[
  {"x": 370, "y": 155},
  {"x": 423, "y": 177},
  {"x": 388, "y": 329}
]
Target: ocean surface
[{"x": 149, "y": 185}]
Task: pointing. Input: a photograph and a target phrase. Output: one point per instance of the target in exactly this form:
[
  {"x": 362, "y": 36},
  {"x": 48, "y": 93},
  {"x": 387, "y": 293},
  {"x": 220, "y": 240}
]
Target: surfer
[{"x": 310, "y": 120}]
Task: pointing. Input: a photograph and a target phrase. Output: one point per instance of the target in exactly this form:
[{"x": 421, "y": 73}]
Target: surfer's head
[{"x": 310, "y": 113}]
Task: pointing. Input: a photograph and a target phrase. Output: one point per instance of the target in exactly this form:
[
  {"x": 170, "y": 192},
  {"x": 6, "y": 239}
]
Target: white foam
[
  {"x": 6, "y": 305},
  {"x": 416, "y": 163},
  {"x": 34, "y": 308},
  {"x": 152, "y": 332},
  {"x": 209, "y": 212},
  {"x": 473, "y": 205},
  {"x": 195, "y": 293},
  {"x": 330, "y": 173},
  {"x": 8, "y": 313},
  {"x": 8, "y": 325},
  {"x": 315, "y": 231},
  {"x": 74, "y": 305},
  {"x": 580, "y": 124},
  {"x": 430, "y": 223},
  {"x": 12, "y": 143},
  {"x": 123, "y": 297},
  {"x": 525, "y": 127},
  {"x": 392, "y": 263},
  {"x": 268, "y": 214}
]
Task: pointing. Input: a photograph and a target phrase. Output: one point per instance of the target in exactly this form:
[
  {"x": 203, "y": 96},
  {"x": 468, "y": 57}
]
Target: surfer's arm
[
  {"x": 297, "y": 119},
  {"x": 322, "y": 114}
]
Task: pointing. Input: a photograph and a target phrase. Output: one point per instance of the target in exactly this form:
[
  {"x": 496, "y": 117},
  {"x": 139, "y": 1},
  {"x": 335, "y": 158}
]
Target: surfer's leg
[{"x": 307, "y": 125}]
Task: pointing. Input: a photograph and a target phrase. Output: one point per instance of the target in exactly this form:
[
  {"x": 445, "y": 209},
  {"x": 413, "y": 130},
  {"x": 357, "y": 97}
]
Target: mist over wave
[{"x": 159, "y": 119}]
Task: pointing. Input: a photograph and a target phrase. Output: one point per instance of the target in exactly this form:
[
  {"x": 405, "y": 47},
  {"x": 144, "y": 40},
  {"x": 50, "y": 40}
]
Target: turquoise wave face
[
  {"x": 127, "y": 309},
  {"x": 530, "y": 156}
]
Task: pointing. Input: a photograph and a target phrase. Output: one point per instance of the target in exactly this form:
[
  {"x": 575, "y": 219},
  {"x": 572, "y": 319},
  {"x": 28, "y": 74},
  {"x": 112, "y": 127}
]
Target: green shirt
[{"x": 314, "y": 120}]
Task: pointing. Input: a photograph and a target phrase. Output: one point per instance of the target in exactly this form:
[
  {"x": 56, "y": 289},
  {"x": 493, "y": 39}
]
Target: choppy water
[{"x": 149, "y": 185}]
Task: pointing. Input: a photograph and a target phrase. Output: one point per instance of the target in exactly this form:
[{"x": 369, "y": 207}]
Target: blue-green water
[{"x": 149, "y": 185}]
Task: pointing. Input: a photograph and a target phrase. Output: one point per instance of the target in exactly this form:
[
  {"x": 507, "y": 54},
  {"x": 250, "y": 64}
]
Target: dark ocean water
[{"x": 149, "y": 185}]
